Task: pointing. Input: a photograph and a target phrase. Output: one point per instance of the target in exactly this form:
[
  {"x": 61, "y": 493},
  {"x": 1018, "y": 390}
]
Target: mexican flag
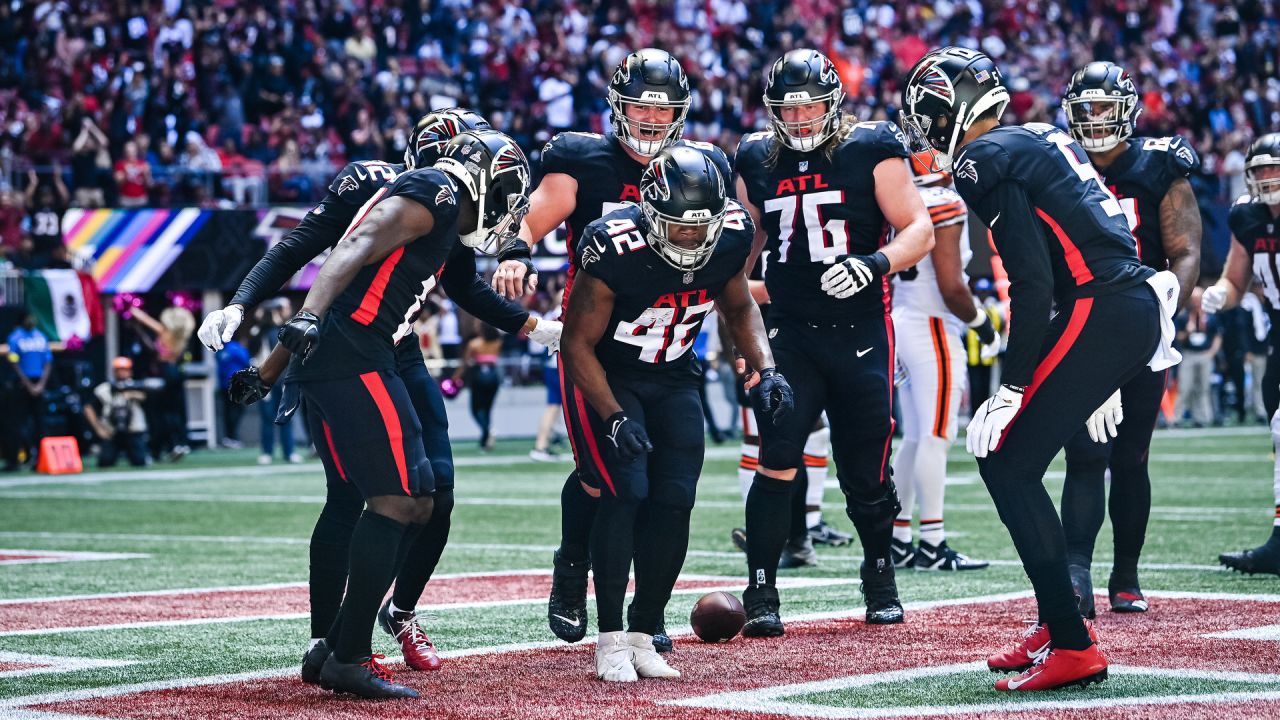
[{"x": 60, "y": 302}]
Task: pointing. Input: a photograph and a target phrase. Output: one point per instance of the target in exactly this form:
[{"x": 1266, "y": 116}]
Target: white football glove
[
  {"x": 220, "y": 326},
  {"x": 847, "y": 278},
  {"x": 989, "y": 422},
  {"x": 1213, "y": 299},
  {"x": 1102, "y": 423},
  {"x": 982, "y": 325},
  {"x": 547, "y": 332}
]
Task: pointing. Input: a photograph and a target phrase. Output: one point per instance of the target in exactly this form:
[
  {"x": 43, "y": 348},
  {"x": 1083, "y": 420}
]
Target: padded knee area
[
  {"x": 443, "y": 471},
  {"x": 884, "y": 504}
]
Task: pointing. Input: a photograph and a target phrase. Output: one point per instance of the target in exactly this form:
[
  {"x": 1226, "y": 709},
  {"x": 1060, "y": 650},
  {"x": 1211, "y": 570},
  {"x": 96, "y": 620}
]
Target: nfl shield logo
[
  {"x": 804, "y": 166},
  {"x": 688, "y": 278}
]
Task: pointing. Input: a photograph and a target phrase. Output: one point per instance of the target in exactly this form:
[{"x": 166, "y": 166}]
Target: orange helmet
[
  {"x": 927, "y": 169},
  {"x": 122, "y": 363}
]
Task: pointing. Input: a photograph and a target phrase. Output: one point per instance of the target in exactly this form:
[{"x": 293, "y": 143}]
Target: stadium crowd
[{"x": 128, "y": 103}]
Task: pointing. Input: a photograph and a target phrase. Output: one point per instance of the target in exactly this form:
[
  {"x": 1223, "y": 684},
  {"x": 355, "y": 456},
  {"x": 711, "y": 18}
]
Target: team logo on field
[
  {"x": 968, "y": 170},
  {"x": 348, "y": 183}
]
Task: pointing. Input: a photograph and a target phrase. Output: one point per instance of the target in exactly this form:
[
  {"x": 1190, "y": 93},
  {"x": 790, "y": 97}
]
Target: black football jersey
[
  {"x": 814, "y": 208},
  {"x": 658, "y": 310},
  {"x": 1258, "y": 231},
  {"x": 377, "y": 310},
  {"x": 607, "y": 176},
  {"x": 1140, "y": 177},
  {"x": 318, "y": 231}
]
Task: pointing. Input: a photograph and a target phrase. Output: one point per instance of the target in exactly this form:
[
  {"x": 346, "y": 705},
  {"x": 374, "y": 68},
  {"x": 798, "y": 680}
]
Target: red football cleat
[
  {"x": 1060, "y": 668},
  {"x": 419, "y": 653},
  {"x": 1027, "y": 651}
]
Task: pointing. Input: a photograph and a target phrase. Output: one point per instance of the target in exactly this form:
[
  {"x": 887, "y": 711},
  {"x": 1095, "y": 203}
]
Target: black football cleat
[
  {"x": 943, "y": 557},
  {"x": 903, "y": 553},
  {"x": 761, "y": 603},
  {"x": 1082, "y": 584},
  {"x": 567, "y": 606},
  {"x": 880, "y": 589},
  {"x": 825, "y": 533},
  {"x": 738, "y": 536},
  {"x": 798, "y": 553},
  {"x": 313, "y": 661},
  {"x": 365, "y": 677},
  {"x": 1264, "y": 559}
]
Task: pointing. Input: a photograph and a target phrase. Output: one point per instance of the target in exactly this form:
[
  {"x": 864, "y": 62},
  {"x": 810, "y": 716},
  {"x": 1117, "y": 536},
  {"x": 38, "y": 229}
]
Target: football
[{"x": 717, "y": 617}]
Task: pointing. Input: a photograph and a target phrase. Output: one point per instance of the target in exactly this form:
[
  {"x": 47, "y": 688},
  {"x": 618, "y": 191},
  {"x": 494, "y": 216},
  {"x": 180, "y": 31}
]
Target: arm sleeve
[
  {"x": 318, "y": 231},
  {"x": 1024, "y": 251},
  {"x": 471, "y": 293}
]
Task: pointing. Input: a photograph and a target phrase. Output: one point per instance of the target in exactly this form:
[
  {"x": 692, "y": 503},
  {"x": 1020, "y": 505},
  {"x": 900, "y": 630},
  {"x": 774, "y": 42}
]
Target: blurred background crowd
[{"x": 222, "y": 104}]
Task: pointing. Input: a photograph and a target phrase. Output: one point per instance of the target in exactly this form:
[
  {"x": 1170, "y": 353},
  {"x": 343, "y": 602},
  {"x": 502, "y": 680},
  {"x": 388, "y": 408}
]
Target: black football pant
[
  {"x": 1084, "y": 493},
  {"x": 1271, "y": 378},
  {"x": 1093, "y": 347},
  {"x": 331, "y": 538},
  {"x": 846, "y": 369},
  {"x": 645, "y": 503}
]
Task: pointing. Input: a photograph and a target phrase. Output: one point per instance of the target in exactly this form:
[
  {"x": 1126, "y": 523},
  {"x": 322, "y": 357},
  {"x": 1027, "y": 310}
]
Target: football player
[
  {"x": 584, "y": 177},
  {"x": 827, "y": 190},
  {"x": 1148, "y": 176},
  {"x": 932, "y": 307},
  {"x": 1255, "y": 250},
  {"x": 1064, "y": 240},
  {"x": 318, "y": 231},
  {"x": 644, "y": 278},
  {"x": 361, "y": 305}
]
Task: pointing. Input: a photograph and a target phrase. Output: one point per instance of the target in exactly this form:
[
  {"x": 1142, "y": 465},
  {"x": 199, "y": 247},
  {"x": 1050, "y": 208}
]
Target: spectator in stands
[
  {"x": 288, "y": 182},
  {"x": 133, "y": 177},
  {"x": 46, "y": 204},
  {"x": 122, "y": 426},
  {"x": 33, "y": 365},
  {"x": 89, "y": 154},
  {"x": 12, "y": 212}
]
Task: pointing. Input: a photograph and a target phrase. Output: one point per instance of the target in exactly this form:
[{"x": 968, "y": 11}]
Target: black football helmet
[
  {"x": 802, "y": 77},
  {"x": 1101, "y": 104},
  {"x": 1264, "y": 152},
  {"x": 653, "y": 78},
  {"x": 435, "y": 129},
  {"x": 681, "y": 188},
  {"x": 495, "y": 174},
  {"x": 945, "y": 94}
]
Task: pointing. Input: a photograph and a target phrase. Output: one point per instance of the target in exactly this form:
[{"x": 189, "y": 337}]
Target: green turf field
[{"x": 219, "y": 520}]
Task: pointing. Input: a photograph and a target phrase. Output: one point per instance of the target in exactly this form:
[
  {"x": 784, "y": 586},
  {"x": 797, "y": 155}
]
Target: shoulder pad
[
  {"x": 363, "y": 174},
  {"x": 983, "y": 165}
]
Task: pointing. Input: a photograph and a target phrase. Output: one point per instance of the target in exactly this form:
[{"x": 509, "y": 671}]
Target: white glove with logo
[
  {"x": 992, "y": 417},
  {"x": 547, "y": 332},
  {"x": 1102, "y": 424},
  {"x": 853, "y": 274},
  {"x": 1214, "y": 299},
  {"x": 220, "y": 326}
]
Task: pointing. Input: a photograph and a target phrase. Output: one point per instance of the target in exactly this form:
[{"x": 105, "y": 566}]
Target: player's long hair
[{"x": 827, "y": 148}]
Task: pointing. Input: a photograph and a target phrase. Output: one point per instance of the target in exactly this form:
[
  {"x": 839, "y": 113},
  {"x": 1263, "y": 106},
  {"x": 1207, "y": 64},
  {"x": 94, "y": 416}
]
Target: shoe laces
[
  {"x": 415, "y": 637},
  {"x": 376, "y": 668}
]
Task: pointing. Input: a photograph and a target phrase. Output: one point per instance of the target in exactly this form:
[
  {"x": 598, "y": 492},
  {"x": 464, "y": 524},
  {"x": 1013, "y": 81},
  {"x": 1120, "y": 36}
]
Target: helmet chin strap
[{"x": 945, "y": 158}]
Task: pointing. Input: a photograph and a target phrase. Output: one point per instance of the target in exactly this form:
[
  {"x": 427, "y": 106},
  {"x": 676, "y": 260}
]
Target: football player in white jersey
[{"x": 932, "y": 306}]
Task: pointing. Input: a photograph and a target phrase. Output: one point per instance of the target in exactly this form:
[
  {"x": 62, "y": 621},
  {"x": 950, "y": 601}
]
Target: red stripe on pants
[
  {"x": 1079, "y": 315},
  {"x": 333, "y": 451},
  {"x": 391, "y": 419}
]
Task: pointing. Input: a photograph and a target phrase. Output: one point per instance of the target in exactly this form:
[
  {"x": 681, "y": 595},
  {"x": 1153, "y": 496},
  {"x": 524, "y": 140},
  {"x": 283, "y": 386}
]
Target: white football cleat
[
  {"x": 613, "y": 658},
  {"x": 648, "y": 663}
]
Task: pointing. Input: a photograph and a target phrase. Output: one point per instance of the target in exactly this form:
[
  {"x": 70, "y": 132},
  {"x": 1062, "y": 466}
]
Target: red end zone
[{"x": 558, "y": 683}]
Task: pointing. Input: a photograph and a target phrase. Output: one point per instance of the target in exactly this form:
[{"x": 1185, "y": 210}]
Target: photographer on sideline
[{"x": 123, "y": 425}]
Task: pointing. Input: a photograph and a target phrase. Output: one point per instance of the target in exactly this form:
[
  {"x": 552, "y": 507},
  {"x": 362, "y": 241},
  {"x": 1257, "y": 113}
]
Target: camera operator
[{"x": 123, "y": 425}]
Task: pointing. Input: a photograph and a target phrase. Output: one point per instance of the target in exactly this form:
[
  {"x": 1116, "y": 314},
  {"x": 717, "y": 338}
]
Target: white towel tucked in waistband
[{"x": 1166, "y": 286}]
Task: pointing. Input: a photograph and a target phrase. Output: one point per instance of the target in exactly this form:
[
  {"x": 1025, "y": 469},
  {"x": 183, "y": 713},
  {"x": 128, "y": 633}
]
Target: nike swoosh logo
[
  {"x": 993, "y": 222},
  {"x": 863, "y": 352},
  {"x": 567, "y": 621},
  {"x": 1014, "y": 684}
]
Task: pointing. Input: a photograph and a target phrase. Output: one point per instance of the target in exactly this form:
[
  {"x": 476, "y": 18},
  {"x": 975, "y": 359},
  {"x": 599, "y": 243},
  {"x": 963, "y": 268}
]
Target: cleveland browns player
[
  {"x": 645, "y": 278},
  {"x": 1064, "y": 241},
  {"x": 586, "y": 176},
  {"x": 826, "y": 191},
  {"x": 361, "y": 305},
  {"x": 1148, "y": 176},
  {"x": 932, "y": 307},
  {"x": 1255, "y": 251},
  {"x": 318, "y": 231}
]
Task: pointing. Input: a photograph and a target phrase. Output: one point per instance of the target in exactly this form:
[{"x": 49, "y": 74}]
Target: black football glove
[
  {"x": 629, "y": 439},
  {"x": 773, "y": 395},
  {"x": 519, "y": 251},
  {"x": 301, "y": 334},
  {"x": 985, "y": 330},
  {"x": 247, "y": 387}
]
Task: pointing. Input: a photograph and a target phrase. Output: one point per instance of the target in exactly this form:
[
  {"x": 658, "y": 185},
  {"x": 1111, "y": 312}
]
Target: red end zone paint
[
  {"x": 554, "y": 684},
  {"x": 11, "y": 666},
  {"x": 17, "y": 557},
  {"x": 250, "y": 603}
]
